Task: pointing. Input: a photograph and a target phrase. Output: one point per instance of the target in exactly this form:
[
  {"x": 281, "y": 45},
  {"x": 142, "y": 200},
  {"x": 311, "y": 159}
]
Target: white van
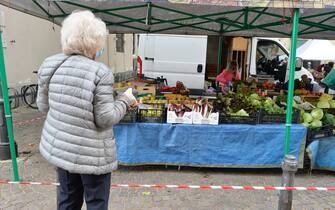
[
  {"x": 266, "y": 56},
  {"x": 185, "y": 58}
]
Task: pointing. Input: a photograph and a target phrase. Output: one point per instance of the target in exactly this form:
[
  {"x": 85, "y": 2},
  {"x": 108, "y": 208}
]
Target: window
[
  {"x": 271, "y": 59},
  {"x": 120, "y": 43}
]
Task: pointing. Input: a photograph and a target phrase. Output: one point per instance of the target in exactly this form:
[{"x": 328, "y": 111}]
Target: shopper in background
[
  {"x": 76, "y": 92},
  {"x": 318, "y": 74},
  {"x": 228, "y": 75},
  {"x": 328, "y": 68},
  {"x": 329, "y": 81},
  {"x": 310, "y": 68}
]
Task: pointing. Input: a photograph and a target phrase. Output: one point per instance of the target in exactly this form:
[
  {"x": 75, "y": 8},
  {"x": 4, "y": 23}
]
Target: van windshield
[{"x": 271, "y": 59}]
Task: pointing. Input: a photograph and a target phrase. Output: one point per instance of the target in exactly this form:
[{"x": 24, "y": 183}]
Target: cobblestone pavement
[{"x": 33, "y": 167}]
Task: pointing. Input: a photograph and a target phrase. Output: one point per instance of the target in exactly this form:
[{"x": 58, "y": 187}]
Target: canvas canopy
[
  {"x": 320, "y": 50},
  {"x": 267, "y": 18}
]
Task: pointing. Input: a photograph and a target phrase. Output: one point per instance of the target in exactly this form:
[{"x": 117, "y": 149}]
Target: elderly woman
[{"x": 76, "y": 93}]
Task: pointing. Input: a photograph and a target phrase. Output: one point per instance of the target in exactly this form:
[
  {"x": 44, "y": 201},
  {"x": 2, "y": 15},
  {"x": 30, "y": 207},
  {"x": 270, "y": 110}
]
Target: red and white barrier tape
[
  {"x": 212, "y": 187},
  {"x": 28, "y": 121}
]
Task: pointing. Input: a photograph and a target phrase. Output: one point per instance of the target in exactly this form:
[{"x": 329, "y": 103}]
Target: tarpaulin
[
  {"x": 206, "y": 145},
  {"x": 322, "y": 153}
]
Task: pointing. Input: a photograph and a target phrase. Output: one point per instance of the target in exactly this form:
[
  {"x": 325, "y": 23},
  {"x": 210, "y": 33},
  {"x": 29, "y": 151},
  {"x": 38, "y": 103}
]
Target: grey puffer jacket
[{"x": 77, "y": 95}]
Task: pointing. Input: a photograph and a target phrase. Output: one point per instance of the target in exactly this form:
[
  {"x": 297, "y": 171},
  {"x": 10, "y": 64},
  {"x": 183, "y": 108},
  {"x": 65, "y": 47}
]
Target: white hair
[{"x": 83, "y": 33}]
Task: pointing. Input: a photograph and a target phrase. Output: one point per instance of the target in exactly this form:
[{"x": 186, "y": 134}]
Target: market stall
[
  {"x": 173, "y": 116},
  {"x": 214, "y": 130}
]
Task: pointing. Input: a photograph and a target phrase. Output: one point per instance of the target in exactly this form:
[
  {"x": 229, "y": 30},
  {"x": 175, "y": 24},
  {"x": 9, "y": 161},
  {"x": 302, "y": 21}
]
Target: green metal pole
[
  {"x": 294, "y": 37},
  {"x": 246, "y": 17},
  {"x": 148, "y": 21},
  {"x": 8, "y": 114},
  {"x": 219, "y": 63},
  {"x": 219, "y": 66}
]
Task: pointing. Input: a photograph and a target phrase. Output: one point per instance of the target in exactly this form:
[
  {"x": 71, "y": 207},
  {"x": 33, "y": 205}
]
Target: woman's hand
[{"x": 133, "y": 102}]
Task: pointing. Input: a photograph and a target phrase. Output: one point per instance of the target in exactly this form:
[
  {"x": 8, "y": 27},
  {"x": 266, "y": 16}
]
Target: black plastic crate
[
  {"x": 266, "y": 118},
  {"x": 151, "y": 115},
  {"x": 307, "y": 161},
  {"x": 330, "y": 111},
  {"x": 228, "y": 119},
  {"x": 130, "y": 117},
  {"x": 324, "y": 131}
]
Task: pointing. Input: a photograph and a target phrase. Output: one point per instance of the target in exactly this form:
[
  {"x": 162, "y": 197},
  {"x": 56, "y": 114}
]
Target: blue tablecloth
[
  {"x": 322, "y": 153},
  {"x": 205, "y": 145}
]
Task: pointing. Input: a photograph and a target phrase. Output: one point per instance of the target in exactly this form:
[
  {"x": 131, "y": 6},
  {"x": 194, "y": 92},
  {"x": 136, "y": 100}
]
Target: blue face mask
[{"x": 99, "y": 53}]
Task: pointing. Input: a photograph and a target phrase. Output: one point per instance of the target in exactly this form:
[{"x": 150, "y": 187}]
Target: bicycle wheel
[
  {"x": 14, "y": 98},
  {"x": 30, "y": 95}
]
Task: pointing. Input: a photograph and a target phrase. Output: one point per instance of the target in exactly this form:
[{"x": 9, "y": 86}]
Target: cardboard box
[
  {"x": 173, "y": 118},
  {"x": 213, "y": 118},
  {"x": 146, "y": 89}
]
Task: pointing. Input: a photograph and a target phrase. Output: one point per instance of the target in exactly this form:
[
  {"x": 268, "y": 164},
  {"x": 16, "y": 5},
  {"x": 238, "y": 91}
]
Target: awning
[
  {"x": 319, "y": 50},
  {"x": 203, "y": 17}
]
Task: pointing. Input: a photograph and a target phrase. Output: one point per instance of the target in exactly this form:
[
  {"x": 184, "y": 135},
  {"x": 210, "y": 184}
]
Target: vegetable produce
[
  {"x": 204, "y": 107},
  {"x": 256, "y": 103},
  {"x": 241, "y": 113},
  {"x": 282, "y": 98},
  {"x": 307, "y": 117},
  {"x": 332, "y": 103},
  {"x": 305, "y": 106},
  {"x": 268, "y": 86},
  {"x": 300, "y": 104},
  {"x": 294, "y": 104},
  {"x": 325, "y": 97},
  {"x": 306, "y": 124},
  {"x": 316, "y": 124},
  {"x": 151, "y": 100},
  {"x": 328, "y": 119},
  {"x": 151, "y": 112},
  {"x": 180, "y": 89},
  {"x": 323, "y": 105},
  {"x": 180, "y": 109},
  {"x": 317, "y": 113},
  {"x": 238, "y": 102},
  {"x": 254, "y": 96},
  {"x": 301, "y": 91},
  {"x": 271, "y": 107}
]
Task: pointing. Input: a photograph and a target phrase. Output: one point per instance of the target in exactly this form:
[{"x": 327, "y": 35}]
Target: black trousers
[{"x": 73, "y": 188}]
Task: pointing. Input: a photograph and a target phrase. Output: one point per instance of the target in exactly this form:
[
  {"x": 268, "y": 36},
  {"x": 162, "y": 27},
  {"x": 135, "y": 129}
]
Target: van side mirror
[{"x": 298, "y": 63}]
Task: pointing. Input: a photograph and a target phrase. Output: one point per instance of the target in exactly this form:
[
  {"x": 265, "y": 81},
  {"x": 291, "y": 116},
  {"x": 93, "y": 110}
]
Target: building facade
[{"x": 28, "y": 40}]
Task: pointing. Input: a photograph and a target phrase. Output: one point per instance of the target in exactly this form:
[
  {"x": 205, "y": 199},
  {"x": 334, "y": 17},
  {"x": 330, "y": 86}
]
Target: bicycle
[
  {"x": 30, "y": 94},
  {"x": 14, "y": 98}
]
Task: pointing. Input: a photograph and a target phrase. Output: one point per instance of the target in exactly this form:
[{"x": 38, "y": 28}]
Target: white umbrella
[{"x": 320, "y": 50}]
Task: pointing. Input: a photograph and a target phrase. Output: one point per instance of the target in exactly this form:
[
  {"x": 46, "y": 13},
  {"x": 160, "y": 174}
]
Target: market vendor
[
  {"x": 306, "y": 83},
  {"x": 228, "y": 75}
]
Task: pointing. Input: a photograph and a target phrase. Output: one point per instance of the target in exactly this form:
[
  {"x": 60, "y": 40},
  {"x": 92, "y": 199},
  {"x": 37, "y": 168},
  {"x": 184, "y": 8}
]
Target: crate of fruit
[
  {"x": 266, "y": 118},
  {"x": 324, "y": 131},
  {"x": 130, "y": 117},
  {"x": 245, "y": 118},
  {"x": 151, "y": 115}
]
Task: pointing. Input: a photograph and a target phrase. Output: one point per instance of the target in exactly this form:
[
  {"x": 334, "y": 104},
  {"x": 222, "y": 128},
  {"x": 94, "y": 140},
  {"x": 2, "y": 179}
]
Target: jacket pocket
[{"x": 110, "y": 150}]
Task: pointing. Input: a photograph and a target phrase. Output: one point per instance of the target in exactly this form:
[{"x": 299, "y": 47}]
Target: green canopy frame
[{"x": 233, "y": 20}]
